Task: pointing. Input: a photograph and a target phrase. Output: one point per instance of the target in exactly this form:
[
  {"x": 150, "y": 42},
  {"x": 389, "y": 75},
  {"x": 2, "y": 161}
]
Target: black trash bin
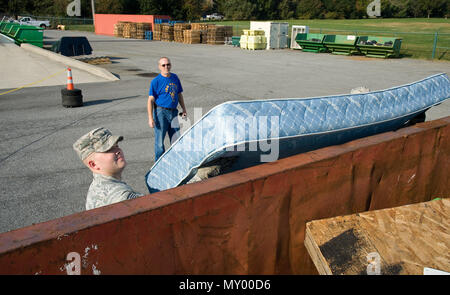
[{"x": 72, "y": 46}]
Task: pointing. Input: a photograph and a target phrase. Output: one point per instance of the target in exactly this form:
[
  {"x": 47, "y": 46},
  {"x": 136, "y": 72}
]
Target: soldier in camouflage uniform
[{"x": 100, "y": 152}]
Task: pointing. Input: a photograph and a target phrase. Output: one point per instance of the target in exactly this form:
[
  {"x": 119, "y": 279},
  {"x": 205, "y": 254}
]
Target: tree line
[{"x": 235, "y": 9}]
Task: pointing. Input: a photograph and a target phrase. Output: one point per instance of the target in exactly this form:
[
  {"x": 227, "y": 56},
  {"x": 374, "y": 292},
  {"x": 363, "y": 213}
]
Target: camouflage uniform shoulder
[{"x": 105, "y": 190}]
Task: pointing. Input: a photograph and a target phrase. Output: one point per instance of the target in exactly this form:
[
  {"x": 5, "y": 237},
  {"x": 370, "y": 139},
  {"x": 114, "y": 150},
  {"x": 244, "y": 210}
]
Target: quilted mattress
[{"x": 258, "y": 131}]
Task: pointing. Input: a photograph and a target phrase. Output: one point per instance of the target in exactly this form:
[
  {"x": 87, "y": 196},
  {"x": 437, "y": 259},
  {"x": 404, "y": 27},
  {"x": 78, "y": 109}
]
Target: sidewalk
[{"x": 23, "y": 68}]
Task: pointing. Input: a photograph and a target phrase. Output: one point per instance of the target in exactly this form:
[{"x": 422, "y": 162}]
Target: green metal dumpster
[
  {"x": 5, "y": 27},
  {"x": 341, "y": 44},
  {"x": 311, "y": 42},
  {"x": 383, "y": 47},
  {"x": 29, "y": 34},
  {"x": 2, "y": 25},
  {"x": 11, "y": 30}
]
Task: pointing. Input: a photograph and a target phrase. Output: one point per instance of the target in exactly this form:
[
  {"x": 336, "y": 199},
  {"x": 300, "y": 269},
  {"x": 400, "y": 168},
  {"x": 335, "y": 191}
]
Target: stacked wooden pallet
[
  {"x": 217, "y": 35},
  {"x": 178, "y": 31},
  {"x": 199, "y": 26},
  {"x": 141, "y": 28},
  {"x": 191, "y": 36},
  {"x": 228, "y": 32},
  {"x": 129, "y": 30},
  {"x": 157, "y": 32},
  {"x": 96, "y": 60},
  {"x": 203, "y": 28},
  {"x": 118, "y": 29},
  {"x": 167, "y": 33},
  {"x": 126, "y": 29}
]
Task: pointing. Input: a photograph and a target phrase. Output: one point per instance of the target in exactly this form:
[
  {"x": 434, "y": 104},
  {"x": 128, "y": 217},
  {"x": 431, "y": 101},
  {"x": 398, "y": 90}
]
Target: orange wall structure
[
  {"x": 104, "y": 23},
  {"x": 248, "y": 222}
]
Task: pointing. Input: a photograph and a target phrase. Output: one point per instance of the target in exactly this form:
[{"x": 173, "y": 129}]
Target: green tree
[
  {"x": 287, "y": 9},
  {"x": 130, "y": 6},
  {"x": 3, "y": 6},
  {"x": 388, "y": 9},
  {"x": 412, "y": 9},
  {"x": 192, "y": 9},
  {"x": 175, "y": 9},
  {"x": 266, "y": 9},
  {"x": 151, "y": 6},
  {"x": 44, "y": 8},
  {"x": 447, "y": 10},
  {"x": 172, "y": 8},
  {"x": 237, "y": 9},
  {"x": 210, "y": 6},
  {"x": 345, "y": 8},
  {"x": 433, "y": 7},
  {"x": 18, "y": 7},
  {"x": 360, "y": 9},
  {"x": 108, "y": 6},
  {"x": 310, "y": 9}
]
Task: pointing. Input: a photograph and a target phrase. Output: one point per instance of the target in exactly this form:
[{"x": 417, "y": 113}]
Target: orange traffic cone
[
  {"x": 71, "y": 97},
  {"x": 69, "y": 79}
]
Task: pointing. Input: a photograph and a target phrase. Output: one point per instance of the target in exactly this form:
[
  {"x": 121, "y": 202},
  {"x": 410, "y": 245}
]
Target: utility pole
[{"x": 93, "y": 11}]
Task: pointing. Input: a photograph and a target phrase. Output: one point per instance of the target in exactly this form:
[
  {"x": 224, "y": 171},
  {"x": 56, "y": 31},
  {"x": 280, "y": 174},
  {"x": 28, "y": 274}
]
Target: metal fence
[
  {"x": 441, "y": 46},
  {"x": 67, "y": 21}
]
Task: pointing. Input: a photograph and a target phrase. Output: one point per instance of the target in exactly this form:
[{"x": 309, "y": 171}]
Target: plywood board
[{"x": 400, "y": 240}]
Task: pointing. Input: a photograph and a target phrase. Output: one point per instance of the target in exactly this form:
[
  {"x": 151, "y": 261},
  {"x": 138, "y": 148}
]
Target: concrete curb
[
  {"x": 8, "y": 38},
  {"x": 71, "y": 62}
]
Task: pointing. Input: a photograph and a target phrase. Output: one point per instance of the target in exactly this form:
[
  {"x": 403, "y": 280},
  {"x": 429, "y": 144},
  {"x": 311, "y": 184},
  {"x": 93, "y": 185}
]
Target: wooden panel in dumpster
[{"x": 400, "y": 240}]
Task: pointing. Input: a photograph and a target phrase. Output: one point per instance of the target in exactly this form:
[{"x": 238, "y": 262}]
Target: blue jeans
[{"x": 166, "y": 121}]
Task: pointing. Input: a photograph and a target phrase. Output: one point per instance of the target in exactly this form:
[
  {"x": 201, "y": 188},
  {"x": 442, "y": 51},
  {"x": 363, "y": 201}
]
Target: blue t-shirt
[{"x": 165, "y": 90}]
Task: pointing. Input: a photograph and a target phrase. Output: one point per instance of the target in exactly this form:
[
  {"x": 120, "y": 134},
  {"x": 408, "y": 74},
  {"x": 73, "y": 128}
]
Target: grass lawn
[
  {"x": 418, "y": 34},
  {"x": 85, "y": 28}
]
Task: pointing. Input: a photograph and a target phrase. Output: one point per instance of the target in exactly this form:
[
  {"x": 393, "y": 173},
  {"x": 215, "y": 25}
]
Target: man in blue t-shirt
[{"x": 164, "y": 94}]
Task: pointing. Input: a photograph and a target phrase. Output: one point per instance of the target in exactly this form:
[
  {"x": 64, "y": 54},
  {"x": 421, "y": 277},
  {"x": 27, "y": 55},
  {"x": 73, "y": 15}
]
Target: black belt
[{"x": 164, "y": 108}]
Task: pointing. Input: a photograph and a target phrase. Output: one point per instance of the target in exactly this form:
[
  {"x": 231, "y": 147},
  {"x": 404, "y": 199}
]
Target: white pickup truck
[
  {"x": 32, "y": 22},
  {"x": 214, "y": 16}
]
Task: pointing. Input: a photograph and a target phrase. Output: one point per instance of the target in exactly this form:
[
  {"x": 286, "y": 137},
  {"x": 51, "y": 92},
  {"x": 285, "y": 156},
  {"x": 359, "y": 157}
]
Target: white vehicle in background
[
  {"x": 214, "y": 16},
  {"x": 32, "y": 22}
]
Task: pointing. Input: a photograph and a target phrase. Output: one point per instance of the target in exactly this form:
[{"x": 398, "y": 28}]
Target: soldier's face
[{"x": 110, "y": 162}]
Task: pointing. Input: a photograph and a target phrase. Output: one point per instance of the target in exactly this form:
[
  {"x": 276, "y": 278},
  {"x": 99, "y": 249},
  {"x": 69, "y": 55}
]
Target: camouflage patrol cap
[{"x": 98, "y": 140}]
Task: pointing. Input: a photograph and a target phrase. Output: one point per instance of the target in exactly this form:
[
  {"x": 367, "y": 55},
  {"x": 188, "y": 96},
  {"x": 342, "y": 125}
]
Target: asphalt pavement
[{"x": 41, "y": 177}]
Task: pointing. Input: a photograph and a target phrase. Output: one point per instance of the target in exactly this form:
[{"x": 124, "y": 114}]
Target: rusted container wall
[
  {"x": 104, "y": 23},
  {"x": 248, "y": 222}
]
